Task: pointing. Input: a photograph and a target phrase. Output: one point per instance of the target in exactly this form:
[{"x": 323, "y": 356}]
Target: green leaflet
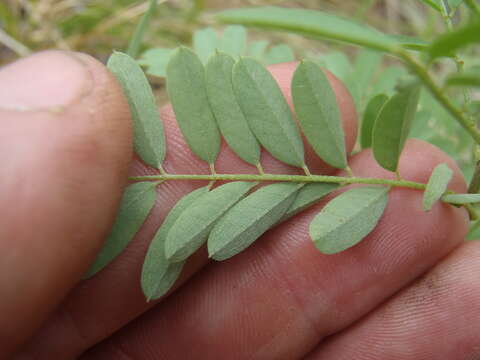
[
  {"x": 156, "y": 60},
  {"x": 471, "y": 78},
  {"x": 280, "y": 54},
  {"x": 367, "y": 64},
  {"x": 234, "y": 40},
  {"x": 249, "y": 219},
  {"x": 337, "y": 63},
  {"x": 257, "y": 49},
  {"x": 308, "y": 22},
  {"x": 205, "y": 42},
  {"x": 308, "y": 195},
  {"x": 186, "y": 88},
  {"x": 229, "y": 115},
  {"x": 447, "y": 44},
  {"x": 318, "y": 113},
  {"x": 348, "y": 218},
  {"x": 267, "y": 111},
  {"x": 149, "y": 137},
  {"x": 191, "y": 229},
  {"x": 393, "y": 125},
  {"x": 158, "y": 275},
  {"x": 388, "y": 80},
  {"x": 372, "y": 110},
  {"x": 437, "y": 185},
  {"x": 137, "y": 202},
  {"x": 461, "y": 199}
]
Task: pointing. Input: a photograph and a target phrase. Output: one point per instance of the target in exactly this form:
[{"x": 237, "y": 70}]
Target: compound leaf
[
  {"x": 149, "y": 137},
  {"x": 192, "y": 227},
  {"x": 267, "y": 111},
  {"x": 392, "y": 126},
  {"x": 137, "y": 202},
  {"x": 318, "y": 113},
  {"x": 371, "y": 113},
  {"x": 436, "y": 186},
  {"x": 158, "y": 275},
  {"x": 348, "y": 218},
  {"x": 187, "y": 92},
  {"x": 229, "y": 115},
  {"x": 249, "y": 219}
]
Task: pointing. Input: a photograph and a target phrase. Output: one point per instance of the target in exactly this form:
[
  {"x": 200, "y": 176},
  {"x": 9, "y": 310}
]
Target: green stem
[
  {"x": 136, "y": 41},
  {"x": 472, "y": 212},
  {"x": 447, "y": 18},
  {"x": 437, "y": 92},
  {"x": 283, "y": 178},
  {"x": 474, "y": 186}
]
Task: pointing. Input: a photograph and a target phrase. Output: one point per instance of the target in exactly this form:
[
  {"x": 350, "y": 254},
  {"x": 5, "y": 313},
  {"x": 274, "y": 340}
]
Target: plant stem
[
  {"x": 136, "y": 41},
  {"x": 474, "y": 186},
  {"x": 283, "y": 178},
  {"x": 13, "y": 44},
  {"x": 437, "y": 92},
  {"x": 472, "y": 212},
  {"x": 447, "y": 18}
]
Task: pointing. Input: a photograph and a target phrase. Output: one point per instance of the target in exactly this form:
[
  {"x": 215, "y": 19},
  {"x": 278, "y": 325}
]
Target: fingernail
[{"x": 47, "y": 80}]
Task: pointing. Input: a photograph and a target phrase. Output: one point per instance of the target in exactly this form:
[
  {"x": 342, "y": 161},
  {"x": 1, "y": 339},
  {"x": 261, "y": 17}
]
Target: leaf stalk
[{"x": 283, "y": 178}]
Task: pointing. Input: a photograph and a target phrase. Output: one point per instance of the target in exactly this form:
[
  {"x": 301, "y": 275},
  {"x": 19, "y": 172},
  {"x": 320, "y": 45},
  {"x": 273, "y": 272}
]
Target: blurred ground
[{"x": 98, "y": 26}]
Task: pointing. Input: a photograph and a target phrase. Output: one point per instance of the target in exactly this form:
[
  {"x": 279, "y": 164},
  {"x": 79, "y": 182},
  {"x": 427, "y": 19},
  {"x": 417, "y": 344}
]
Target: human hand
[{"x": 409, "y": 291}]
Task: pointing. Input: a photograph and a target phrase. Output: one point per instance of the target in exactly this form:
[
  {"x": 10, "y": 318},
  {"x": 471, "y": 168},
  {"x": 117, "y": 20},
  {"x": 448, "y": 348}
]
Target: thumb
[{"x": 65, "y": 148}]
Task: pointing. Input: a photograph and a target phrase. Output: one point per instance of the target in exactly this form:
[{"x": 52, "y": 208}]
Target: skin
[{"x": 409, "y": 291}]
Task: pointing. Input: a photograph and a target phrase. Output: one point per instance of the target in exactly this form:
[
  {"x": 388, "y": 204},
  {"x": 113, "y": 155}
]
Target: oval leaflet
[
  {"x": 158, "y": 275},
  {"x": 348, "y": 218},
  {"x": 250, "y": 218},
  {"x": 192, "y": 227},
  {"x": 267, "y": 112},
  {"x": 137, "y": 202},
  {"x": 188, "y": 95}
]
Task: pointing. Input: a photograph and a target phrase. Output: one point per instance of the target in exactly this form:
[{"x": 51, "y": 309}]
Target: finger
[
  {"x": 65, "y": 142},
  {"x": 435, "y": 318},
  {"x": 281, "y": 296},
  {"x": 102, "y": 305}
]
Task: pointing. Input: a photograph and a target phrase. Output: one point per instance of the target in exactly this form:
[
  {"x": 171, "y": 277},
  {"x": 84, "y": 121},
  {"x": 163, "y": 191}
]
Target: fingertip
[{"x": 66, "y": 148}]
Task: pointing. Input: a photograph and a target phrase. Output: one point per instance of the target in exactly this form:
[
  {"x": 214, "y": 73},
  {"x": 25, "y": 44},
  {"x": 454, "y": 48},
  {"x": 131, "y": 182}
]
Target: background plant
[{"x": 422, "y": 86}]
